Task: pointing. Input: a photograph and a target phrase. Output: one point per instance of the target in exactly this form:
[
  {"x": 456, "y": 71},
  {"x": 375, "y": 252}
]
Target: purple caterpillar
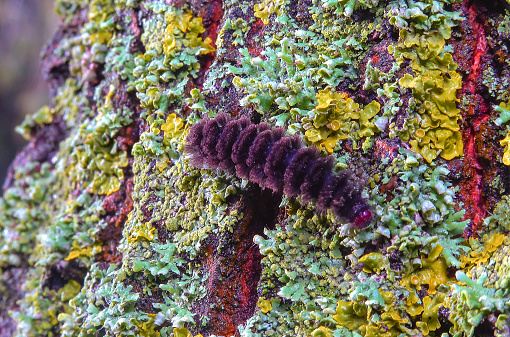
[{"x": 265, "y": 156}]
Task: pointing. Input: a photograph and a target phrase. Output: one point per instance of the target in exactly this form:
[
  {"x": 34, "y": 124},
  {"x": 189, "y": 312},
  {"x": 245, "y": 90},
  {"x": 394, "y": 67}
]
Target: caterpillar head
[{"x": 363, "y": 219}]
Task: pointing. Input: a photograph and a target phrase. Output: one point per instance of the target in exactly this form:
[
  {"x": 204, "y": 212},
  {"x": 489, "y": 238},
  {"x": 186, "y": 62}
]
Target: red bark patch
[
  {"x": 254, "y": 46},
  {"x": 475, "y": 114},
  {"x": 117, "y": 206},
  {"x": 233, "y": 272}
]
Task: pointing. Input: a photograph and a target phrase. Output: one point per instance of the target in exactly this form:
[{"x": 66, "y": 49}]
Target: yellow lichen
[
  {"x": 432, "y": 273},
  {"x": 335, "y": 118},
  {"x": 480, "y": 255},
  {"x": 264, "y": 305},
  {"x": 70, "y": 290},
  {"x": 358, "y": 317},
  {"x": 173, "y": 128},
  {"x": 373, "y": 262},
  {"x": 506, "y": 154},
  {"x": 145, "y": 231},
  {"x": 267, "y": 7},
  {"x": 413, "y": 306},
  {"x": 86, "y": 252},
  {"x": 107, "y": 170},
  {"x": 146, "y": 329},
  {"x": 366, "y": 126},
  {"x": 43, "y": 116},
  {"x": 430, "y": 317},
  {"x": 350, "y": 315},
  {"x": 438, "y": 129},
  {"x": 181, "y": 332},
  {"x": 184, "y": 30},
  {"x": 322, "y": 331},
  {"x": 433, "y": 129}
]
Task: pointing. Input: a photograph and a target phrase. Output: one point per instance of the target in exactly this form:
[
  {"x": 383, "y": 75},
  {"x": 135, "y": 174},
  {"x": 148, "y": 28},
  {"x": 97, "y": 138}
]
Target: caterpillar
[{"x": 267, "y": 157}]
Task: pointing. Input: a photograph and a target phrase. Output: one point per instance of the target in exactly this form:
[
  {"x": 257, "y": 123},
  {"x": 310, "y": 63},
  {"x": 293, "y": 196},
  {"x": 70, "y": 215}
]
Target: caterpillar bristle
[
  {"x": 314, "y": 180},
  {"x": 212, "y": 131},
  {"x": 326, "y": 195},
  {"x": 267, "y": 157},
  {"x": 278, "y": 161},
  {"x": 227, "y": 139},
  {"x": 336, "y": 189},
  {"x": 259, "y": 151},
  {"x": 241, "y": 148},
  {"x": 298, "y": 169},
  {"x": 193, "y": 144}
]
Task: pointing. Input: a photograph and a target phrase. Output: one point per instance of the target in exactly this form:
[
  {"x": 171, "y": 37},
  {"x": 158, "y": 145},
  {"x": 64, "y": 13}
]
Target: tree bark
[{"x": 121, "y": 217}]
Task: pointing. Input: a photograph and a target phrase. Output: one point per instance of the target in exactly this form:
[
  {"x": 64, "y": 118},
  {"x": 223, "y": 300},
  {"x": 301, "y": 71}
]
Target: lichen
[
  {"x": 472, "y": 301},
  {"x": 172, "y": 42},
  {"x": 267, "y": 7},
  {"x": 143, "y": 238},
  {"x": 335, "y": 118},
  {"x": 432, "y": 128},
  {"x": 347, "y": 7}
]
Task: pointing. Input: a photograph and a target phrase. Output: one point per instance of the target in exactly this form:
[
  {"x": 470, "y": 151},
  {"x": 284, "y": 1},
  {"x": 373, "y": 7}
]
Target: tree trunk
[{"x": 359, "y": 187}]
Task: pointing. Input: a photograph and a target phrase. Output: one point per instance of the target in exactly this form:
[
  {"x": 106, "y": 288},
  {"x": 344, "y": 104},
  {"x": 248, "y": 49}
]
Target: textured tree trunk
[{"x": 385, "y": 214}]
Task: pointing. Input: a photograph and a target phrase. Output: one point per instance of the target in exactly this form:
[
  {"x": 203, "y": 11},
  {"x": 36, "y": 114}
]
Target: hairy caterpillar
[{"x": 272, "y": 160}]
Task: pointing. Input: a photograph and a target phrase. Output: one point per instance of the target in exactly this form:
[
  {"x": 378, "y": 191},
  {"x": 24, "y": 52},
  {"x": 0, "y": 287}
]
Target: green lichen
[
  {"x": 470, "y": 303},
  {"x": 504, "y": 114},
  {"x": 422, "y": 211},
  {"x": 502, "y": 119},
  {"x": 347, "y": 7},
  {"x": 501, "y": 215},
  {"x": 294, "y": 70},
  {"x": 108, "y": 302},
  {"x": 42, "y": 116}
]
